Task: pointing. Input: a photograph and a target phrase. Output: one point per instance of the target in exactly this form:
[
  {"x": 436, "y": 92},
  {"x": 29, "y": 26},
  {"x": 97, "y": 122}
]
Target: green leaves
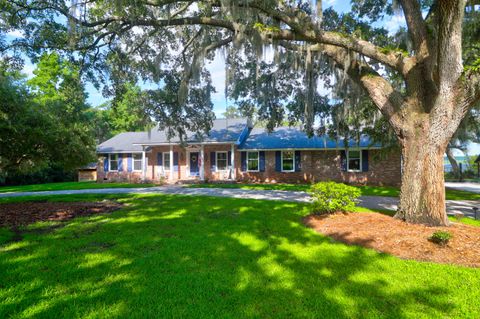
[
  {"x": 49, "y": 126},
  {"x": 331, "y": 197}
]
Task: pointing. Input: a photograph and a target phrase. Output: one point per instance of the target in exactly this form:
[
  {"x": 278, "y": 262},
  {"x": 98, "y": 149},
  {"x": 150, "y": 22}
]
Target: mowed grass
[
  {"x": 67, "y": 186},
  {"x": 167, "y": 256},
  {"x": 388, "y": 191}
]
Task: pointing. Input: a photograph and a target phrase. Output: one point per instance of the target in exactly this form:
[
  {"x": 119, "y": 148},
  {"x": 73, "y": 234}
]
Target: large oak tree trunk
[{"x": 422, "y": 198}]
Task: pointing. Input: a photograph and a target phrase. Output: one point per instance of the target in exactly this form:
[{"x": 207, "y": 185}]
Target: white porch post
[
  {"x": 232, "y": 164},
  {"x": 144, "y": 164},
  {"x": 171, "y": 163},
  {"x": 202, "y": 163}
]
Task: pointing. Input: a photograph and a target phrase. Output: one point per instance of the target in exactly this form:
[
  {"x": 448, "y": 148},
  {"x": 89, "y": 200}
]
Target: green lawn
[
  {"x": 67, "y": 186},
  {"x": 366, "y": 190},
  {"x": 200, "y": 257}
]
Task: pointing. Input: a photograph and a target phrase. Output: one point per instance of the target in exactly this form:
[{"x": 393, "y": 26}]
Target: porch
[{"x": 196, "y": 162}]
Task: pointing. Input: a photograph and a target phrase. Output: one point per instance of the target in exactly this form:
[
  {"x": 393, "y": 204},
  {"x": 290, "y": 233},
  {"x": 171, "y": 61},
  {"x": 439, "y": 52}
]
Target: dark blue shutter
[
  {"x": 120, "y": 162},
  {"x": 298, "y": 161},
  {"x": 213, "y": 162},
  {"x": 262, "y": 161},
  {"x": 159, "y": 159},
  {"x": 278, "y": 161},
  {"x": 105, "y": 164},
  {"x": 229, "y": 159},
  {"x": 129, "y": 162},
  {"x": 343, "y": 160},
  {"x": 175, "y": 161},
  {"x": 364, "y": 160},
  {"x": 243, "y": 161}
]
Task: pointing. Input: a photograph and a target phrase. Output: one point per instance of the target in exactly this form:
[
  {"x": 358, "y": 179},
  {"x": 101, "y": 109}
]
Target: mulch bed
[
  {"x": 14, "y": 215},
  {"x": 407, "y": 241}
]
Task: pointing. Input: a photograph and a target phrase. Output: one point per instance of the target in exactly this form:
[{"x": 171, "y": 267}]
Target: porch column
[
  {"x": 202, "y": 163},
  {"x": 171, "y": 163},
  {"x": 144, "y": 164},
  {"x": 232, "y": 164}
]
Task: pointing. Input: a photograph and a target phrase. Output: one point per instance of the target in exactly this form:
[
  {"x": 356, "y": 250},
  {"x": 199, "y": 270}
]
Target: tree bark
[
  {"x": 422, "y": 194},
  {"x": 453, "y": 162}
]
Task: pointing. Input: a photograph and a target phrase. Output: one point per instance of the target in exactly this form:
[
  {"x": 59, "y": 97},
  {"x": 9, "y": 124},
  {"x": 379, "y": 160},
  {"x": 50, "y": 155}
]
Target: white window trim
[
  {"x": 133, "y": 163},
  {"x": 281, "y": 162},
  {"x": 258, "y": 160},
  {"x": 226, "y": 161},
  {"x": 348, "y": 161},
  {"x": 110, "y": 163},
  {"x": 165, "y": 168}
]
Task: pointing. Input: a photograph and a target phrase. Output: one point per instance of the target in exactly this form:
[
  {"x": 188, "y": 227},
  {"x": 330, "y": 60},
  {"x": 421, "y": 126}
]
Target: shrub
[
  {"x": 331, "y": 197},
  {"x": 440, "y": 237}
]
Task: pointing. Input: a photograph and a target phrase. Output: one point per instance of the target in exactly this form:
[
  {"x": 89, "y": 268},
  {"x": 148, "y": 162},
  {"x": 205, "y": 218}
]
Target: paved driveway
[
  {"x": 372, "y": 202},
  {"x": 469, "y": 187}
]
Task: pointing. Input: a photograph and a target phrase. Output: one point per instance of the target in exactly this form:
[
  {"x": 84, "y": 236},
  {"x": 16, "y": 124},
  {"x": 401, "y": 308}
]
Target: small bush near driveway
[{"x": 331, "y": 197}]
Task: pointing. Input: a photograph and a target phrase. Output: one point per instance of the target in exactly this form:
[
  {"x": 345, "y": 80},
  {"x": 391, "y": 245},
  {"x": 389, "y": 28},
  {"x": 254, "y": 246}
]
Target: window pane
[
  {"x": 354, "y": 160},
  {"x": 137, "y": 165},
  {"x": 137, "y": 156},
  {"x": 253, "y": 165},
  {"x": 222, "y": 164},
  {"x": 166, "y": 161},
  {"x": 114, "y": 162},
  {"x": 354, "y": 154},
  {"x": 222, "y": 161},
  {"x": 287, "y": 165},
  {"x": 354, "y": 164},
  {"x": 288, "y": 155},
  {"x": 287, "y": 161},
  {"x": 252, "y": 155}
]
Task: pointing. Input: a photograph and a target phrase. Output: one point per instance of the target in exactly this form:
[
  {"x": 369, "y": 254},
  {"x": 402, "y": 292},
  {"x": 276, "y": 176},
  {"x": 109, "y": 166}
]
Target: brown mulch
[
  {"x": 14, "y": 215},
  {"x": 407, "y": 241}
]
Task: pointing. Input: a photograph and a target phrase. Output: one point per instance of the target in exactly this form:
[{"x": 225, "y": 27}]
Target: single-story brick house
[{"x": 234, "y": 150}]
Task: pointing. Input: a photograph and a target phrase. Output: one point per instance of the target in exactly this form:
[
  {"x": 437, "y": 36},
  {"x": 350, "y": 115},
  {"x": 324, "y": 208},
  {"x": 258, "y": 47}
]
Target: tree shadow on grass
[{"x": 180, "y": 256}]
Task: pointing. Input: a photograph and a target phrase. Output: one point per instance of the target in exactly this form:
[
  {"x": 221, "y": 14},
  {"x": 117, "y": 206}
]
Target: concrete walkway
[{"x": 371, "y": 202}]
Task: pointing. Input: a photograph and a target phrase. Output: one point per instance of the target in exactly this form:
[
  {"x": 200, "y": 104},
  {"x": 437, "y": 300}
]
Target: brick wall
[
  {"x": 326, "y": 165},
  {"x": 315, "y": 166}
]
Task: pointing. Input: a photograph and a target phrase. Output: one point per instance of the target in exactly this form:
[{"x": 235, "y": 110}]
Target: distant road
[{"x": 469, "y": 187}]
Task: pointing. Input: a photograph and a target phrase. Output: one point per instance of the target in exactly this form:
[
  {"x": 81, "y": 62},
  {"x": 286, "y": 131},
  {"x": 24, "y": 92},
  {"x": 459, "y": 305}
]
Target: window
[
  {"x": 166, "y": 161},
  {"x": 252, "y": 161},
  {"x": 222, "y": 161},
  {"x": 113, "y": 162},
  {"x": 354, "y": 161},
  {"x": 137, "y": 161},
  {"x": 288, "y": 161}
]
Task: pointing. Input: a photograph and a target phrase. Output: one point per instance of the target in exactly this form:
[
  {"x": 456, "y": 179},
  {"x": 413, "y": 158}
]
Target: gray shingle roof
[
  {"x": 122, "y": 143},
  {"x": 223, "y": 131},
  {"x": 291, "y": 137},
  {"x": 231, "y": 131}
]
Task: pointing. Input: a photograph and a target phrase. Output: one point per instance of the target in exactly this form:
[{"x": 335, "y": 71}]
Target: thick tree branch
[
  {"x": 416, "y": 27},
  {"x": 449, "y": 44},
  {"x": 312, "y": 34},
  {"x": 386, "y": 98},
  {"x": 297, "y": 31}
]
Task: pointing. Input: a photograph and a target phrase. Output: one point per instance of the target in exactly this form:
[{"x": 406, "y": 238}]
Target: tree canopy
[{"x": 45, "y": 120}]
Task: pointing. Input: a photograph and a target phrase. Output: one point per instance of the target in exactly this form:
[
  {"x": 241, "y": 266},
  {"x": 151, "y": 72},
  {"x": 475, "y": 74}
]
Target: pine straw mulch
[
  {"x": 407, "y": 241},
  {"x": 14, "y": 215}
]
